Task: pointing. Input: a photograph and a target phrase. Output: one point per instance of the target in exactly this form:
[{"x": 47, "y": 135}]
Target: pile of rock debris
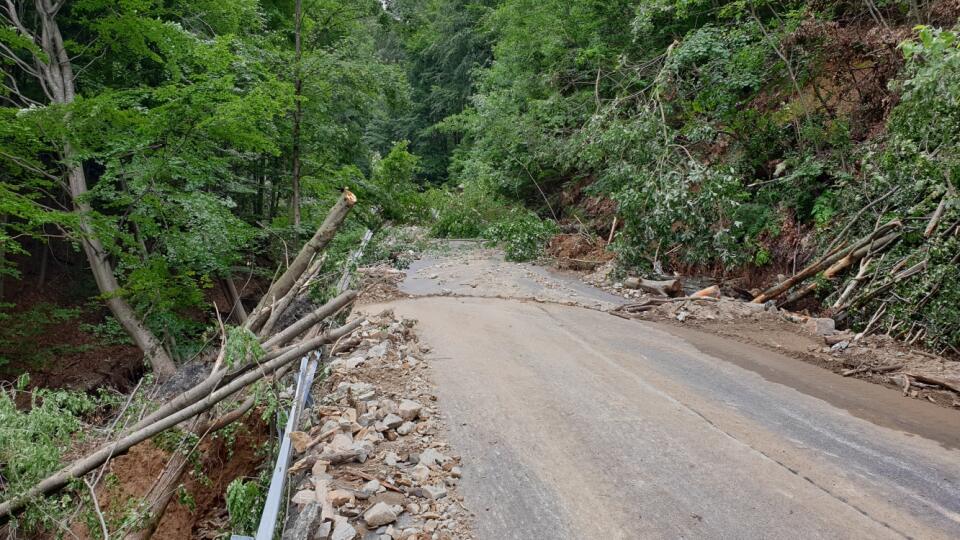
[{"x": 370, "y": 460}]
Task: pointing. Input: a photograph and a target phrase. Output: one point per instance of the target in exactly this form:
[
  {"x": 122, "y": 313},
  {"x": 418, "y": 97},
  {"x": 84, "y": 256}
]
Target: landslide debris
[{"x": 371, "y": 460}]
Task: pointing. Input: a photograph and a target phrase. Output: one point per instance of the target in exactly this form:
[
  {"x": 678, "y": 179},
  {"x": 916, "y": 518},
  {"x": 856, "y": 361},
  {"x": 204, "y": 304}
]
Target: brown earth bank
[
  {"x": 48, "y": 335},
  {"x": 877, "y": 358},
  {"x": 198, "y": 510}
]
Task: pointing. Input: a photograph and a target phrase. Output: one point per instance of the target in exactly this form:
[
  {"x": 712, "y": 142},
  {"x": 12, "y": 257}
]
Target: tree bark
[
  {"x": 58, "y": 79},
  {"x": 297, "y": 112},
  {"x": 842, "y": 265},
  {"x": 320, "y": 239},
  {"x": 236, "y": 306},
  {"x": 670, "y": 287}
]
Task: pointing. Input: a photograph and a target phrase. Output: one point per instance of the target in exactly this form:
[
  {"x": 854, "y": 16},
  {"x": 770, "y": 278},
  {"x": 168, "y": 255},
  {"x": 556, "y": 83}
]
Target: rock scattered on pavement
[{"x": 371, "y": 462}]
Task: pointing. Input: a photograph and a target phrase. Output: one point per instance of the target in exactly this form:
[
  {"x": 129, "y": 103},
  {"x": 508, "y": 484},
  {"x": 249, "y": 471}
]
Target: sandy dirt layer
[{"x": 876, "y": 358}]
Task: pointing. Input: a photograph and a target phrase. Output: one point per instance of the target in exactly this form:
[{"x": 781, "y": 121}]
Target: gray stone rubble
[{"x": 371, "y": 462}]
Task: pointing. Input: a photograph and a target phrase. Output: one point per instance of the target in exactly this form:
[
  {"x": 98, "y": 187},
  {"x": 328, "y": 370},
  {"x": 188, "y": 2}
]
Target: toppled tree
[{"x": 275, "y": 351}]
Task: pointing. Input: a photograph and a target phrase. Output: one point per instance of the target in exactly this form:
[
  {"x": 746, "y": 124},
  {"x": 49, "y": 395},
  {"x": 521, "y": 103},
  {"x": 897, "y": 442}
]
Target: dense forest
[{"x": 158, "y": 155}]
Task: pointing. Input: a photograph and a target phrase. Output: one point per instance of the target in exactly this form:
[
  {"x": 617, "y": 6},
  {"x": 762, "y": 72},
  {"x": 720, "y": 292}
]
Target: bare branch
[
  {"x": 96, "y": 509},
  {"x": 15, "y": 20},
  {"x": 56, "y": 7},
  {"x": 29, "y": 167},
  {"x": 8, "y": 53},
  {"x": 15, "y": 89}
]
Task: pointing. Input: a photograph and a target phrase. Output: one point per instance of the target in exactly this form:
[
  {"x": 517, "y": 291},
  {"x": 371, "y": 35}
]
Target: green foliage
[
  {"x": 392, "y": 184},
  {"x": 108, "y": 332},
  {"x": 242, "y": 346},
  {"x": 182, "y": 123},
  {"x": 916, "y": 169},
  {"x": 521, "y": 234},
  {"x": 713, "y": 225},
  {"x": 33, "y": 439},
  {"x": 245, "y": 500},
  {"x": 466, "y": 213}
]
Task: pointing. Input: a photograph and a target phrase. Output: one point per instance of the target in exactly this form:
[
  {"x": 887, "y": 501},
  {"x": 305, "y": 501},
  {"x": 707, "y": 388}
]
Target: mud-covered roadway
[{"x": 576, "y": 424}]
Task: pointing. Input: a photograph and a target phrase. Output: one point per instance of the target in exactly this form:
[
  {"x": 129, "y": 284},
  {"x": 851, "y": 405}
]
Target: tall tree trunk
[
  {"x": 3, "y": 256},
  {"x": 57, "y": 76},
  {"x": 297, "y": 110}
]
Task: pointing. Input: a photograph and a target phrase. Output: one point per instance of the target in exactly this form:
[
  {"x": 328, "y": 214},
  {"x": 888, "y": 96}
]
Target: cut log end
[{"x": 348, "y": 197}]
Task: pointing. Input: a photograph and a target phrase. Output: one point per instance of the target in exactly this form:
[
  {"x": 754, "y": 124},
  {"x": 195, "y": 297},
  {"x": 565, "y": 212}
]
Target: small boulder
[
  {"x": 431, "y": 457},
  {"x": 368, "y": 489},
  {"x": 821, "y": 326},
  {"x": 409, "y": 409},
  {"x": 340, "y": 497},
  {"x": 406, "y": 428},
  {"x": 305, "y": 496},
  {"x": 380, "y": 514},
  {"x": 343, "y": 531},
  {"x": 392, "y": 421},
  {"x": 420, "y": 473},
  {"x": 435, "y": 492}
]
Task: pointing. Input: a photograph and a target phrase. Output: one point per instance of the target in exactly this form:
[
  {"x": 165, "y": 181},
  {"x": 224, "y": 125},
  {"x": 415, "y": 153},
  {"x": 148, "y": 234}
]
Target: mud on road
[{"x": 572, "y": 423}]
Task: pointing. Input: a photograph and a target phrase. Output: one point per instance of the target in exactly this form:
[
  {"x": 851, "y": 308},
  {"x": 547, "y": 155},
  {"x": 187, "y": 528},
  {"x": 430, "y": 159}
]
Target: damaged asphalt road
[{"x": 575, "y": 424}]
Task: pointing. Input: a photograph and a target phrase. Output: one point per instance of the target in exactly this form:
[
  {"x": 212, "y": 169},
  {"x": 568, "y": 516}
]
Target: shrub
[
  {"x": 522, "y": 234},
  {"x": 33, "y": 441}
]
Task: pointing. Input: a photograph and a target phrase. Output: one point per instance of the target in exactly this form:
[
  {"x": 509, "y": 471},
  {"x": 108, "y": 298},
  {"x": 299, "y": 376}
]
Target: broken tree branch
[
  {"x": 938, "y": 213},
  {"x": 937, "y": 381},
  {"x": 669, "y": 287},
  {"x": 823, "y": 263},
  {"x": 236, "y": 306},
  {"x": 86, "y": 464},
  {"x": 320, "y": 239}
]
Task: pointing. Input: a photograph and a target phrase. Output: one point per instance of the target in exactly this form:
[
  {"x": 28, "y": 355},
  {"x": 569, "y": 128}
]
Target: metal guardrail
[
  {"x": 308, "y": 368},
  {"x": 271, "y": 508}
]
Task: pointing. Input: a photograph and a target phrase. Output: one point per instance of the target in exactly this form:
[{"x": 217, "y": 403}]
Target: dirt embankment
[{"x": 876, "y": 358}]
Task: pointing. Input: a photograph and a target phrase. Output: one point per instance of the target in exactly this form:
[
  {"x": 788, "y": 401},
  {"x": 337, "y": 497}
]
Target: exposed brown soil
[
  {"x": 790, "y": 334},
  {"x": 578, "y": 251},
  {"x": 129, "y": 477},
  {"x": 55, "y": 350}
]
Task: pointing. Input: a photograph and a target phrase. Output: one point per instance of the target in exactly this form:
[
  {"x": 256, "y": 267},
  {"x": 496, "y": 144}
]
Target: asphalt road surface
[{"x": 576, "y": 424}]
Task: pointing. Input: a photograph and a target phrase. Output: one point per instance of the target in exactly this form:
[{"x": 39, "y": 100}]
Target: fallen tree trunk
[
  {"x": 222, "y": 383},
  {"x": 669, "y": 287},
  {"x": 106, "y": 452},
  {"x": 955, "y": 386},
  {"x": 222, "y": 375},
  {"x": 843, "y": 264},
  {"x": 236, "y": 306},
  {"x": 823, "y": 263},
  {"x": 320, "y": 239},
  {"x": 309, "y": 320},
  {"x": 866, "y": 297},
  {"x": 281, "y": 305}
]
